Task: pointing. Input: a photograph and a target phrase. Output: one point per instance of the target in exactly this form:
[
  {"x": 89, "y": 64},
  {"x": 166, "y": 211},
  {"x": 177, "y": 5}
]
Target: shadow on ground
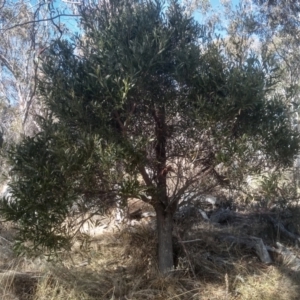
[{"x": 122, "y": 264}]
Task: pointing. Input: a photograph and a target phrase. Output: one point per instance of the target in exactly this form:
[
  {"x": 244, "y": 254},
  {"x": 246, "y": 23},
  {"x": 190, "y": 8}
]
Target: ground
[{"x": 214, "y": 259}]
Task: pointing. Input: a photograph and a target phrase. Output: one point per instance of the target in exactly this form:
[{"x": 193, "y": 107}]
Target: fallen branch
[
  {"x": 253, "y": 243},
  {"x": 278, "y": 225},
  {"x": 203, "y": 214},
  {"x": 288, "y": 257},
  {"x": 190, "y": 241},
  {"x": 221, "y": 215},
  {"x": 4, "y": 239}
]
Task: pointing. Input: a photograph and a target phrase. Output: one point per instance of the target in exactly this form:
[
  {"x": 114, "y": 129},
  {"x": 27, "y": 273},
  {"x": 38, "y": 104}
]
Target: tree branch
[
  {"x": 145, "y": 176},
  {"x": 39, "y": 21},
  {"x": 181, "y": 191},
  {"x": 7, "y": 64}
]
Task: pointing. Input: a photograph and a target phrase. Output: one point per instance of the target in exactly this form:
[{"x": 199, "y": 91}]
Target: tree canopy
[{"x": 144, "y": 104}]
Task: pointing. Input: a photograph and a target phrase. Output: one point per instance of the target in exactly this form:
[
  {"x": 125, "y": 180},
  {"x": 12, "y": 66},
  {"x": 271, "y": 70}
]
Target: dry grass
[
  {"x": 272, "y": 284},
  {"x": 121, "y": 265}
]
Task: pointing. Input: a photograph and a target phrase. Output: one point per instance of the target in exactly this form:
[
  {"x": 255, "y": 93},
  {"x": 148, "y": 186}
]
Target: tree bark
[
  {"x": 164, "y": 213},
  {"x": 165, "y": 245}
]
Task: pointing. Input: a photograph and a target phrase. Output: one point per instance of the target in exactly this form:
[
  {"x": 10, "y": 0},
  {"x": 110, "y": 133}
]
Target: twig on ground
[{"x": 190, "y": 241}]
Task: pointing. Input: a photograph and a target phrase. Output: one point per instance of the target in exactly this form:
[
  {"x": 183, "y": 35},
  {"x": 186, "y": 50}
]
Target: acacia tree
[{"x": 144, "y": 105}]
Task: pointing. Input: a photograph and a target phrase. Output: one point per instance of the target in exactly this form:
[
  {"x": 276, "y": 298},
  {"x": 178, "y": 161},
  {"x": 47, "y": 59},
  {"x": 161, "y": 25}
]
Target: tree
[
  {"x": 26, "y": 31},
  {"x": 280, "y": 15},
  {"x": 270, "y": 28},
  {"x": 143, "y": 105}
]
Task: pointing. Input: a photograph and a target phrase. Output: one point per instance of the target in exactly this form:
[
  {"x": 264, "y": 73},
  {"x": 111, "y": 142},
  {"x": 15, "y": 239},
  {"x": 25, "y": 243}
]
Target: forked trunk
[{"x": 165, "y": 245}]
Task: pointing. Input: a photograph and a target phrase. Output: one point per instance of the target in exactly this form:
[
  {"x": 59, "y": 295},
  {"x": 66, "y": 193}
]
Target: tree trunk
[
  {"x": 164, "y": 213},
  {"x": 165, "y": 245}
]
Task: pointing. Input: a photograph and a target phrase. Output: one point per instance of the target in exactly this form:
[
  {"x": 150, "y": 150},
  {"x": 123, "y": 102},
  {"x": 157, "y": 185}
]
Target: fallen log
[
  {"x": 203, "y": 214},
  {"x": 278, "y": 225},
  {"x": 288, "y": 257},
  {"x": 221, "y": 216},
  {"x": 253, "y": 243}
]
